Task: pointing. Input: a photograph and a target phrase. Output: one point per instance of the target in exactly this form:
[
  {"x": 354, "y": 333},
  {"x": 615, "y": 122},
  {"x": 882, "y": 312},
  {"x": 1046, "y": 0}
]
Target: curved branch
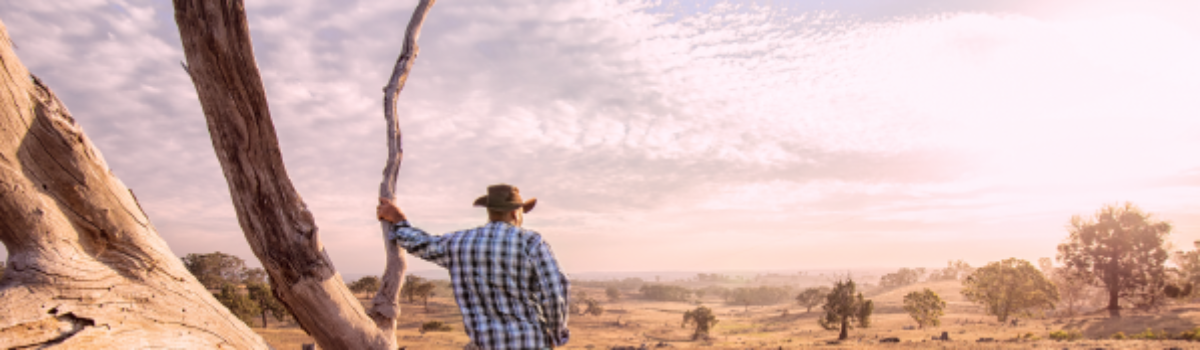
[
  {"x": 276, "y": 222},
  {"x": 386, "y": 305}
]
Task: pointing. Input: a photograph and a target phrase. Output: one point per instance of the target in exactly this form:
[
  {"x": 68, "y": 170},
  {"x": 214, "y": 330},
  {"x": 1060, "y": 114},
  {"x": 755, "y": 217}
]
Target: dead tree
[
  {"x": 86, "y": 269},
  {"x": 277, "y": 224}
]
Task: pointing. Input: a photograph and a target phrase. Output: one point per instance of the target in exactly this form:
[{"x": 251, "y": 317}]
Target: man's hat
[{"x": 504, "y": 197}]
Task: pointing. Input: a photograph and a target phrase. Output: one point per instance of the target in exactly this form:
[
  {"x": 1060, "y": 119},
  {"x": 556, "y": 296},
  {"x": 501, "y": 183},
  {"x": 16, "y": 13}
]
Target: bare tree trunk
[
  {"x": 277, "y": 224},
  {"x": 86, "y": 269}
]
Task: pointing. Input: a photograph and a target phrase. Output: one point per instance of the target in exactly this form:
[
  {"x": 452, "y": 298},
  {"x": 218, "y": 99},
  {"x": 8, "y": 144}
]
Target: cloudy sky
[{"x": 685, "y": 135}]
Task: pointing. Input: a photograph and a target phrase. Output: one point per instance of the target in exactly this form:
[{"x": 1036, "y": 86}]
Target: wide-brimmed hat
[{"x": 505, "y": 197}]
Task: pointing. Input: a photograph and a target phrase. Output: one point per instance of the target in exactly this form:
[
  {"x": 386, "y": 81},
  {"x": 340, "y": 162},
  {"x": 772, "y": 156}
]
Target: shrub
[
  {"x": 1149, "y": 334},
  {"x": 1118, "y": 335},
  {"x": 435, "y": 326},
  {"x": 1193, "y": 334},
  {"x": 1068, "y": 335}
]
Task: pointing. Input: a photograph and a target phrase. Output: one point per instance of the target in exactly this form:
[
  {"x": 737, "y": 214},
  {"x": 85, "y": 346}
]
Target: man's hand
[{"x": 388, "y": 211}]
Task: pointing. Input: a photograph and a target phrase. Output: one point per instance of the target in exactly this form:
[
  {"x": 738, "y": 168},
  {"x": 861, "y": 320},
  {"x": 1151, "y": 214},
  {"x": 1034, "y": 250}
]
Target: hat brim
[{"x": 527, "y": 206}]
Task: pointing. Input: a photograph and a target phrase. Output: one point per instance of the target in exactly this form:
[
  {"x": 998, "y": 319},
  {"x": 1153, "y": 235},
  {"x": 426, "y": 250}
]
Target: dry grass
[{"x": 764, "y": 327}]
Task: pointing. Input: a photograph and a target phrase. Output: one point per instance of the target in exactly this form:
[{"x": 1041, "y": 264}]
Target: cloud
[{"x": 665, "y": 136}]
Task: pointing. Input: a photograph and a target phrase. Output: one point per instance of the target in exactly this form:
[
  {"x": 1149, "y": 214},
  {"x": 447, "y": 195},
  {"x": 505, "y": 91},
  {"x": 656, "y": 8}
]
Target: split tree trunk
[
  {"x": 86, "y": 269},
  {"x": 277, "y": 224}
]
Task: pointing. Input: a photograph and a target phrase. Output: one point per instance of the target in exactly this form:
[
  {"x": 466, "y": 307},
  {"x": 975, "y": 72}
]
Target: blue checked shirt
[{"x": 506, "y": 282}]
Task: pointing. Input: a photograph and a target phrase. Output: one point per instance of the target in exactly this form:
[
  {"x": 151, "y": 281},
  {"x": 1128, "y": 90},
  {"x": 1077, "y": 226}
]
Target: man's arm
[
  {"x": 553, "y": 287},
  {"x": 418, "y": 243}
]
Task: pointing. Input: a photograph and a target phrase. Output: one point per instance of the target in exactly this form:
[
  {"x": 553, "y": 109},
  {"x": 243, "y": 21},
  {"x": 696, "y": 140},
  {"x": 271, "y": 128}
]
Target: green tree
[
  {"x": 365, "y": 285},
  {"x": 812, "y": 297},
  {"x": 261, "y": 294},
  {"x": 237, "y": 303},
  {"x": 424, "y": 291},
  {"x": 1121, "y": 248},
  {"x": 214, "y": 270},
  {"x": 408, "y": 291},
  {"x": 254, "y": 275},
  {"x": 703, "y": 318},
  {"x": 1010, "y": 287},
  {"x": 925, "y": 307},
  {"x": 613, "y": 293},
  {"x": 844, "y": 306}
]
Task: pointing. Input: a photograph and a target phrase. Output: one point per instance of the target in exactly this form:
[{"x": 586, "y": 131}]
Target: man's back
[{"x": 506, "y": 282}]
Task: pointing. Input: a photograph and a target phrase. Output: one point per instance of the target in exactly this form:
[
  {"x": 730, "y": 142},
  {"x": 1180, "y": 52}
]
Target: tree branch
[{"x": 386, "y": 305}]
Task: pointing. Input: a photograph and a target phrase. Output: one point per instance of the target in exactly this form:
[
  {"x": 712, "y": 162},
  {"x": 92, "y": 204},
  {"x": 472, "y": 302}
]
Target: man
[{"x": 506, "y": 280}]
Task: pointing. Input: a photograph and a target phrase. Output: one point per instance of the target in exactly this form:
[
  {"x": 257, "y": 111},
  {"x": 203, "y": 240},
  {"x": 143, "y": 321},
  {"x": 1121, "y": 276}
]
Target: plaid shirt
[{"x": 506, "y": 282}]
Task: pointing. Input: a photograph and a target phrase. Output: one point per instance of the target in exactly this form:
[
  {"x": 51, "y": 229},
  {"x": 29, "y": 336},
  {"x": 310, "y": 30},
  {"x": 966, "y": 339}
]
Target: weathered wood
[
  {"x": 277, "y": 224},
  {"x": 386, "y": 305},
  {"x": 86, "y": 269}
]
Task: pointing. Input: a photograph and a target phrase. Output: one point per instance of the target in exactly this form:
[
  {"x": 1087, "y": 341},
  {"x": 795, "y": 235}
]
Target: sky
[{"x": 668, "y": 135}]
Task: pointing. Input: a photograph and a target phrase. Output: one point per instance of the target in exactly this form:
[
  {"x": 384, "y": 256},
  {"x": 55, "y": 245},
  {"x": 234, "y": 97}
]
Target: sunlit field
[{"x": 631, "y": 321}]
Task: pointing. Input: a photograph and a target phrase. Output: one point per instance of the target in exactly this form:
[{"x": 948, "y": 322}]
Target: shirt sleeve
[
  {"x": 552, "y": 291},
  {"x": 420, "y": 244}
]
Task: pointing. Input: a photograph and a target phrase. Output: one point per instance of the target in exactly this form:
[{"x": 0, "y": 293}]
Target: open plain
[{"x": 631, "y": 321}]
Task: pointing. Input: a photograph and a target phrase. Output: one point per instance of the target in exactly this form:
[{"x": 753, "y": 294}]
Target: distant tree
[
  {"x": 613, "y": 293},
  {"x": 2, "y": 268},
  {"x": 573, "y": 306},
  {"x": 365, "y": 285},
  {"x": 1010, "y": 287},
  {"x": 699, "y": 293},
  {"x": 239, "y": 304},
  {"x": 925, "y": 307},
  {"x": 260, "y": 294},
  {"x": 424, "y": 291},
  {"x": 408, "y": 290},
  {"x": 844, "y": 306},
  {"x": 955, "y": 270},
  {"x": 594, "y": 307},
  {"x": 1121, "y": 248},
  {"x": 663, "y": 292},
  {"x": 703, "y": 318},
  {"x": 254, "y": 275},
  {"x": 216, "y": 269},
  {"x": 812, "y": 297},
  {"x": 903, "y": 277},
  {"x": 717, "y": 291},
  {"x": 761, "y": 295},
  {"x": 1075, "y": 290},
  {"x": 1188, "y": 268},
  {"x": 712, "y": 277}
]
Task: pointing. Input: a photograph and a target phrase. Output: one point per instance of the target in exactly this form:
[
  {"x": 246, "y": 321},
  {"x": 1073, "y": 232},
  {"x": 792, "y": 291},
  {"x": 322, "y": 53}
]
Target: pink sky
[{"x": 685, "y": 137}]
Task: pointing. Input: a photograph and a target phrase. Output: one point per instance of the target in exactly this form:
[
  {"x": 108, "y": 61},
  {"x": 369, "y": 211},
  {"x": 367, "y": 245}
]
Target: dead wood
[
  {"x": 86, "y": 269},
  {"x": 277, "y": 224}
]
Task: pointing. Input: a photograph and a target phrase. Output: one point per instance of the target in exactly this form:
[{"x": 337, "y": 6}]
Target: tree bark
[
  {"x": 386, "y": 304},
  {"x": 276, "y": 222},
  {"x": 86, "y": 269}
]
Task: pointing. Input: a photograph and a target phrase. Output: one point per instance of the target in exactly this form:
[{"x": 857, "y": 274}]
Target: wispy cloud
[{"x": 724, "y": 136}]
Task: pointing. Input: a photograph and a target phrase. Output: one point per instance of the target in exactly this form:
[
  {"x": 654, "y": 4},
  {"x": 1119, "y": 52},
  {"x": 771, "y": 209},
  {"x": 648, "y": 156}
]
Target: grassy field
[{"x": 633, "y": 322}]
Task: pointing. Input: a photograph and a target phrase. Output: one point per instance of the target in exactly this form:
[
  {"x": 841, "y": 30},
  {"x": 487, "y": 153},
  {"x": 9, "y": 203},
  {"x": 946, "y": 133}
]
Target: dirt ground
[{"x": 634, "y": 322}]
